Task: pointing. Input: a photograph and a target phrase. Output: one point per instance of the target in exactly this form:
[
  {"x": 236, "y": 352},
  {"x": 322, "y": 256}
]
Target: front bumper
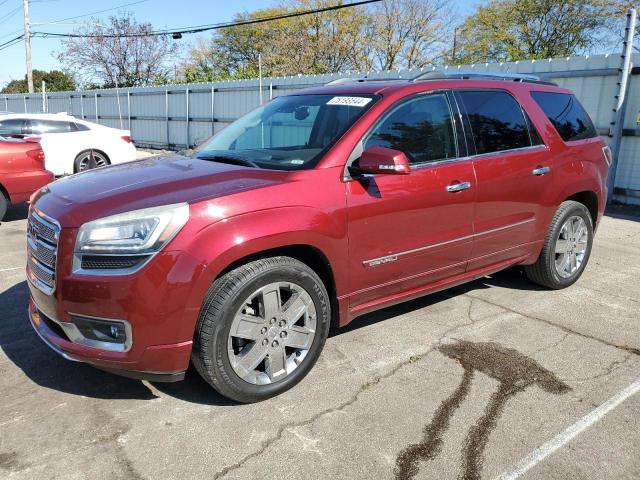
[{"x": 49, "y": 331}]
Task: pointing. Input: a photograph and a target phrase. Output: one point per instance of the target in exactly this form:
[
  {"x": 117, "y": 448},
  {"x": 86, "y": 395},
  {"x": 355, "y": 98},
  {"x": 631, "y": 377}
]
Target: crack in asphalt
[
  {"x": 354, "y": 398},
  {"x": 608, "y": 370},
  {"x": 626, "y": 348}
]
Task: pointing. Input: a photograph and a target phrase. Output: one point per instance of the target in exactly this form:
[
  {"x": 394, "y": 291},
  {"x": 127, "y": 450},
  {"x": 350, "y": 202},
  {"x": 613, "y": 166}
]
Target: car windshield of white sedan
[{"x": 289, "y": 133}]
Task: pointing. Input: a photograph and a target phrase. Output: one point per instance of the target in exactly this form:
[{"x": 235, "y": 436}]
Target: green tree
[
  {"x": 505, "y": 30},
  {"x": 55, "y": 80},
  {"x": 392, "y": 34}
]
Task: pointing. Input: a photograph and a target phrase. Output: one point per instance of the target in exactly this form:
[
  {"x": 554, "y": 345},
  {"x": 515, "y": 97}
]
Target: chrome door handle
[
  {"x": 456, "y": 187},
  {"x": 541, "y": 170}
]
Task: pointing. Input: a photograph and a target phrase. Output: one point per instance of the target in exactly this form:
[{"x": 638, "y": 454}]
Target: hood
[{"x": 147, "y": 183}]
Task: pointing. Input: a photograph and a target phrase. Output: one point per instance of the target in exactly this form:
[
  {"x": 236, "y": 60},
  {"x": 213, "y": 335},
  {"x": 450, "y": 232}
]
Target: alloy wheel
[
  {"x": 571, "y": 246},
  {"x": 91, "y": 160},
  {"x": 271, "y": 333}
]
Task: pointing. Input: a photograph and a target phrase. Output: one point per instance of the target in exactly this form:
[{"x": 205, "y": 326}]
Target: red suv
[
  {"x": 21, "y": 171},
  {"x": 307, "y": 212}
]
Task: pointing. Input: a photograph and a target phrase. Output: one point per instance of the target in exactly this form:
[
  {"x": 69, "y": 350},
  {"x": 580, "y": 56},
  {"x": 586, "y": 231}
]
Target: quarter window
[
  {"x": 422, "y": 128},
  {"x": 497, "y": 121},
  {"x": 47, "y": 126},
  {"x": 566, "y": 114}
]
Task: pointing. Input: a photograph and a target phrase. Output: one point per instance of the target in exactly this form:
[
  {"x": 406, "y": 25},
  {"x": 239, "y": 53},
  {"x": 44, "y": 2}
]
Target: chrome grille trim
[{"x": 43, "y": 234}]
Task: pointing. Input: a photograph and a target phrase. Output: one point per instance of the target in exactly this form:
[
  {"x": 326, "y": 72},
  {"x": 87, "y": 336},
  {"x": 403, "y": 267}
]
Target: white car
[{"x": 71, "y": 145}]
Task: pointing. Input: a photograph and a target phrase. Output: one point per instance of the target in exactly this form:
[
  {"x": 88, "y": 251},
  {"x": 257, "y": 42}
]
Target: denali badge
[{"x": 380, "y": 261}]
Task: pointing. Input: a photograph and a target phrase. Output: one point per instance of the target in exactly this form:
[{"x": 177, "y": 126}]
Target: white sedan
[{"x": 71, "y": 145}]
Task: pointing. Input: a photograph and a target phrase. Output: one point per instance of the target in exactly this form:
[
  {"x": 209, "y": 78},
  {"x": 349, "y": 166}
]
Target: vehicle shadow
[
  {"x": 624, "y": 212},
  {"x": 19, "y": 211},
  {"x": 512, "y": 278},
  {"x": 40, "y": 364},
  {"x": 44, "y": 367}
]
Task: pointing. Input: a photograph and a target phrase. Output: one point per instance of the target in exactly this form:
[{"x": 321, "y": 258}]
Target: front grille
[{"x": 42, "y": 249}]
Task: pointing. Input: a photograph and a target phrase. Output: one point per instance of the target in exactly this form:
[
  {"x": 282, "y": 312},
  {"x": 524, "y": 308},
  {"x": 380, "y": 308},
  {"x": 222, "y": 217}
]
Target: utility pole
[
  {"x": 27, "y": 44},
  {"x": 624, "y": 77}
]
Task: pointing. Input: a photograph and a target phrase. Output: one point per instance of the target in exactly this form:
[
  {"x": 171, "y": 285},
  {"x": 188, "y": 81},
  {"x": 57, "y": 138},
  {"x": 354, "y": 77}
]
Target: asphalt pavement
[{"x": 493, "y": 379}]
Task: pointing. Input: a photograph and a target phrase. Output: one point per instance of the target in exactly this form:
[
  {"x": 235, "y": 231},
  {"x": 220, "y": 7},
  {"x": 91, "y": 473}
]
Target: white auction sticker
[{"x": 349, "y": 101}]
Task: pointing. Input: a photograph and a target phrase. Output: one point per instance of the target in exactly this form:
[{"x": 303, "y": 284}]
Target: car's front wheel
[
  {"x": 566, "y": 249},
  {"x": 90, "y": 159},
  {"x": 262, "y": 328}
]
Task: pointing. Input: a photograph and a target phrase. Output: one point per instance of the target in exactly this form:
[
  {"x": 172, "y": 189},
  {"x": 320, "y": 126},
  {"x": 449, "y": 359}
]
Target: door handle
[
  {"x": 541, "y": 170},
  {"x": 457, "y": 187}
]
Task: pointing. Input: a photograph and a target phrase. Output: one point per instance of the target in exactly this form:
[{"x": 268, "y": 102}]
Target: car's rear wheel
[
  {"x": 262, "y": 328},
  {"x": 566, "y": 249},
  {"x": 90, "y": 159},
  {"x": 4, "y": 204}
]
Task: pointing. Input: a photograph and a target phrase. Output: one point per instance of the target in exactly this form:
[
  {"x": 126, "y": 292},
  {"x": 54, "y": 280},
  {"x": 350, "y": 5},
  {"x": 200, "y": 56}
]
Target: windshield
[{"x": 289, "y": 133}]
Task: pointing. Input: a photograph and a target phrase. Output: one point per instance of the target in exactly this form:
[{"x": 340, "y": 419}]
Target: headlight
[{"x": 133, "y": 233}]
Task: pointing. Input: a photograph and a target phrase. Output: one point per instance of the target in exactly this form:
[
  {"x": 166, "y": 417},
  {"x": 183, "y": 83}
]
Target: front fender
[{"x": 220, "y": 244}]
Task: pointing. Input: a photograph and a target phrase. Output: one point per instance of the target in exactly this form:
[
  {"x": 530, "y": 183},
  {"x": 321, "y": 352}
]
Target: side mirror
[{"x": 381, "y": 160}]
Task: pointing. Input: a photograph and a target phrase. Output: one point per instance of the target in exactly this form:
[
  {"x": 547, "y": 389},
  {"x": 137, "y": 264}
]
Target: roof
[
  {"x": 386, "y": 87},
  {"x": 37, "y": 116}
]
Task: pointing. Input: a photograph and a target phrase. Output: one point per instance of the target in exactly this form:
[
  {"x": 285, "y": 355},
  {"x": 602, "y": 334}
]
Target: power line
[
  {"x": 11, "y": 42},
  {"x": 204, "y": 28},
  {"x": 8, "y": 16},
  {"x": 92, "y": 13}
]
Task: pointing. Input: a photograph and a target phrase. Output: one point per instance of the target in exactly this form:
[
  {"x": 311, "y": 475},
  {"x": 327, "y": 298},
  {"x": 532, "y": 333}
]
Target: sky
[{"x": 160, "y": 13}]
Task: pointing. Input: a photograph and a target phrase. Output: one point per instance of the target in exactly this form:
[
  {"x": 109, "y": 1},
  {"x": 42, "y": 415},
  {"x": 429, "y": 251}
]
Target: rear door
[
  {"x": 513, "y": 171},
  {"x": 60, "y": 141},
  {"x": 407, "y": 231}
]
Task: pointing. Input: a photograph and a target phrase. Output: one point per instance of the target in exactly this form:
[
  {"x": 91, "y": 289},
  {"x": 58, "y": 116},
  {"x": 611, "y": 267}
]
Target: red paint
[
  {"x": 385, "y": 238},
  {"x": 21, "y": 169}
]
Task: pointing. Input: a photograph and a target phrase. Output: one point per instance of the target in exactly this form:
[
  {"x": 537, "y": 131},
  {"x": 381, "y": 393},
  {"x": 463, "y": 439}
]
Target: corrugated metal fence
[{"x": 179, "y": 116}]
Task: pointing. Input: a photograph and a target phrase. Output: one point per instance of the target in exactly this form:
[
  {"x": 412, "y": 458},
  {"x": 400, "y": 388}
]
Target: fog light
[{"x": 111, "y": 331}]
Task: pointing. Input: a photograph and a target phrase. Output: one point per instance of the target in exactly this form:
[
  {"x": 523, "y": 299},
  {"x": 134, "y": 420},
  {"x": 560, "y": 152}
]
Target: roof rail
[
  {"x": 514, "y": 77},
  {"x": 341, "y": 81}
]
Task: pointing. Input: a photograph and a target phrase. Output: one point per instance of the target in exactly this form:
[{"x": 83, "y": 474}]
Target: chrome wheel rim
[
  {"x": 571, "y": 246},
  {"x": 271, "y": 333},
  {"x": 85, "y": 161}
]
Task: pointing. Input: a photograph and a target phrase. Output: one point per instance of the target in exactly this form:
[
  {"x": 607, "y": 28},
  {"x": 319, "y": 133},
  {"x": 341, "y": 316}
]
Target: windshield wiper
[{"x": 229, "y": 159}]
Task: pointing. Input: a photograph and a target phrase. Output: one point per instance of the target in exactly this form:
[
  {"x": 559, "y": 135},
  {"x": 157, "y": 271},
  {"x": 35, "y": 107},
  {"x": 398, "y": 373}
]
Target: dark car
[
  {"x": 309, "y": 211},
  {"x": 21, "y": 171}
]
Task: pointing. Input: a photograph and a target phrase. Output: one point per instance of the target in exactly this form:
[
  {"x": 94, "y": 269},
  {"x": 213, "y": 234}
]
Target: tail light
[
  {"x": 126, "y": 138},
  {"x": 36, "y": 154},
  {"x": 608, "y": 156}
]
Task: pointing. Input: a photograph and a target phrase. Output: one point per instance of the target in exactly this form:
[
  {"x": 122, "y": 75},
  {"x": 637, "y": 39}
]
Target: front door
[{"x": 408, "y": 231}]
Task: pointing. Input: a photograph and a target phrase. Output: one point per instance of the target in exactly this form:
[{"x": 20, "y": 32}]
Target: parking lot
[{"x": 496, "y": 377}]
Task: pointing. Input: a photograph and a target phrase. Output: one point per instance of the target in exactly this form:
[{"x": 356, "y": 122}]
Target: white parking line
[
  {"x": 10, "y": 269},
  {"x": 571, "y": 432}
]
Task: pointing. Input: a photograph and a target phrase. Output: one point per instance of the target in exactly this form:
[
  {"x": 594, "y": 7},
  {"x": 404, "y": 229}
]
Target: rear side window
[
  {"x": 497, "y": 120},
  {"x": 422, "y": 128},
  {"x": 566, "y": 114},
  {"x": 11, "y": 127}
]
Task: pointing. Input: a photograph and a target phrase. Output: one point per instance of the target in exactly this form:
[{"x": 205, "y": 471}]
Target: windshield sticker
[
  {"x": 349, "y": 101},
  {"x": 297, "y": 162}
]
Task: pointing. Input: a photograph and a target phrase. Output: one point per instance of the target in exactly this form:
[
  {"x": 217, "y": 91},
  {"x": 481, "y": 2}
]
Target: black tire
[
  {"x": 224, "y": 298},
  {"x": 544, "y": 271},
  {"x": 100, "y": 160},
  {"x": 4, "y": 204}
]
